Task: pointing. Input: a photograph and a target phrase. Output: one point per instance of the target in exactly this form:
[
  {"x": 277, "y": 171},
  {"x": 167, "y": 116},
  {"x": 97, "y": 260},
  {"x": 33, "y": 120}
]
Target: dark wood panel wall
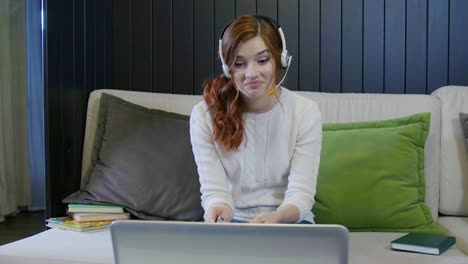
[
  {"x": 170, "y": 46},
  {"x": 77, "y": 60},
  {"x": 371, "y": 46}
]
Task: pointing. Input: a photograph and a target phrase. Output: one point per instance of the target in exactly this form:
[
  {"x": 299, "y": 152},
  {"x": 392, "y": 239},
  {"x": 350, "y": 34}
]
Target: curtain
[
  {"x": 14, "y": 160},
  {"x": 35, "y": 105}
]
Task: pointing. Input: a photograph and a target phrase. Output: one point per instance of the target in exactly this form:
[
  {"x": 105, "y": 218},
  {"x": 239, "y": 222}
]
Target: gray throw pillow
[
  {"x": 142, "y": 160},
  {"x": 464, "y": 125}
]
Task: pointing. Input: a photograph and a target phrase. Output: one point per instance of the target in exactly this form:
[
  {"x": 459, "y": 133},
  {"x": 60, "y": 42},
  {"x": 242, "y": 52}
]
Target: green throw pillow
[{"x": 371, "y": 176}]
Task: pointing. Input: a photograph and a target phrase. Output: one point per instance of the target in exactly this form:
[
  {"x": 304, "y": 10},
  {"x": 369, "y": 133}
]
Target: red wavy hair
[{"x": 220, "y": 94}]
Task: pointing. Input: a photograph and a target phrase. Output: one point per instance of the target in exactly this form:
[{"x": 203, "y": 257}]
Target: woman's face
[{"x": 254, "y": 72}]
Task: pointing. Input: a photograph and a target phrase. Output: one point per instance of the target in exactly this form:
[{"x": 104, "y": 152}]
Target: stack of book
[{"x": 87, "y": 217}]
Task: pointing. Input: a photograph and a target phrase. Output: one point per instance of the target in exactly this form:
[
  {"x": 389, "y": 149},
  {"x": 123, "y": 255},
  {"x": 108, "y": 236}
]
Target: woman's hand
[
  {"x": 285, "y": 214},
  {"x": 267, "y": 218},
  {"x": 218, "y": 211}
]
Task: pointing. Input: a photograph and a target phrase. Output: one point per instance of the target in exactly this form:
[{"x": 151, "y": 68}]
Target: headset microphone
[{"x": 272, "y": 91}]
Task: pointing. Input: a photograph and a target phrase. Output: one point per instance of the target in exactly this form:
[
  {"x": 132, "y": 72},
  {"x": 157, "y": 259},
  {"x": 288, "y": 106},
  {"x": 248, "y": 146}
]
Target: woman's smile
[{"x": 254, "y": 84}]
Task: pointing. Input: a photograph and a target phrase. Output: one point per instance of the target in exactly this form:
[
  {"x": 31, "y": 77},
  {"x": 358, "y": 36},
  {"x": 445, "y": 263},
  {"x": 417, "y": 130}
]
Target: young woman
[{"x": 256, "y": 145}]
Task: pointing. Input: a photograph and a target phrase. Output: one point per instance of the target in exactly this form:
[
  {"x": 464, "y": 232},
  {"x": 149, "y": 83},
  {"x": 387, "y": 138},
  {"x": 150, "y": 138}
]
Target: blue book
[
  {"x": 94, "y": 208},
  {"x": 423, "y": 243}
]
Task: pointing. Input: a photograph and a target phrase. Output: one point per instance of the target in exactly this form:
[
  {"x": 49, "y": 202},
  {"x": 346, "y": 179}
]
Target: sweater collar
[{"x": 266, "y": 115}]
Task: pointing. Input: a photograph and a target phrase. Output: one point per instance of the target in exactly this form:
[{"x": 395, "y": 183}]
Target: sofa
[{"x": 444, "y": 183}]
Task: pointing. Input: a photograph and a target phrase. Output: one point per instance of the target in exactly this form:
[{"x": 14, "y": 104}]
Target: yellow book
[{"x": 68, "y": 223}]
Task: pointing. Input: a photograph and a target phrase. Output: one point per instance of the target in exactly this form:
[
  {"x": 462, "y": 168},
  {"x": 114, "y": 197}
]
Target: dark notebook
[{"x": 423, "y": 243}]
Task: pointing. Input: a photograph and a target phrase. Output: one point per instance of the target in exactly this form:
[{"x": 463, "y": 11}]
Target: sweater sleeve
[
  {"x": 213, "y": 180},
  {"x": 302, "y": 180}
]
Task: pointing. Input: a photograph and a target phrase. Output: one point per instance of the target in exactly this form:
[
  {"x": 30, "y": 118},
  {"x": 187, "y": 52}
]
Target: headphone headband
[
  {"x": 269, "y": 20},
  {"x": 285, "y": 57}
]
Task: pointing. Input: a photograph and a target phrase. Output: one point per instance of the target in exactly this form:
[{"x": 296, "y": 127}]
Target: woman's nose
[{"x": 251, "y": 71}]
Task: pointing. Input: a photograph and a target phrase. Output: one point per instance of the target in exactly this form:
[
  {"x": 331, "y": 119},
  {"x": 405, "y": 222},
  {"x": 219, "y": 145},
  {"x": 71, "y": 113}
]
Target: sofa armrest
[{"x": 457, "y": 226}]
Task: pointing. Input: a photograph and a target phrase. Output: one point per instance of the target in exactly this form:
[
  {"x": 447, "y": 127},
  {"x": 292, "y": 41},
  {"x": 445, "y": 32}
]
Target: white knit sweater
[{"x": 276, "y": 164}]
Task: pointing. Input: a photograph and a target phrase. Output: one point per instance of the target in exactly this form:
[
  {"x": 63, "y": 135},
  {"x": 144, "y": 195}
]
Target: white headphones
[{"x": 285, "y": 57}]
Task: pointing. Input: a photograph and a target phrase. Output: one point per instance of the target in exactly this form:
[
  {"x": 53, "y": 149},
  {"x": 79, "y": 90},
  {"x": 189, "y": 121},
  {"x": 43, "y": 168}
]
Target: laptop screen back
[{"x": 227, "y": 243}]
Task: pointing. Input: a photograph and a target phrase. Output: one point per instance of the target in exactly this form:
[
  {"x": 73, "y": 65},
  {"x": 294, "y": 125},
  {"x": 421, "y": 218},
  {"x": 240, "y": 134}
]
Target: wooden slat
[
  {"x": 90, "y": 51},
  {"x": 224, "y": 14},
  {"x": 80, "y": 96},
  {"x": 395, "y": 39},
  {"x": 352, "y": 47},
  {"x": 182, "y": 47},
  {"x": 245, "y": 7},
  {"x": 79, "y": 48},
  {"x": 103, "y": 30},
  {"x": 458, "y": 60},
  {"x": 330, "y": 46},
  {"x": 268, "y": 8},
  {"x": 204, "y": 49},
  {"x": 53, "y": 104},
  {"x": 107, "y": 19},
  {"x": 162, "y": 46},
  {"x": 142, "y": 45},
  {"x": 416, "y": 46},
  {"x": 68, "y": 85},
  {"x": 437, "y": 49},
  {"x": 288, "y": 12},
  {"x": 122, "y": 45},
  {"x": 373, "y": 46},
  {"x": 309, "y": 45}
]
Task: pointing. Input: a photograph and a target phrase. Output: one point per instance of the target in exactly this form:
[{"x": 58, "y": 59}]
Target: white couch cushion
[
  {"x": 458, "y": 227},
  {"x": 375, "y": 248},
  {"x": 60, "y": 246},
  {"x": 340, "y": 108},
  {"x": 454, "y": 157}
]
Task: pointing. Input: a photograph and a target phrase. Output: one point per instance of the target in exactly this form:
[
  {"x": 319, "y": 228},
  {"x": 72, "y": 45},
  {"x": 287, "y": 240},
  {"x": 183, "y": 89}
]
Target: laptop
[{"x": 140, "y": 242}]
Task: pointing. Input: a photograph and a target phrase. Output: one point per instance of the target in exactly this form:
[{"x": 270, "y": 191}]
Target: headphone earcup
[
  {"x": 284, "y": 62},
  {"x": 220, "y": 53},
  {"x": 226, "y": 70},
  {"x": 284, "y": 59}
]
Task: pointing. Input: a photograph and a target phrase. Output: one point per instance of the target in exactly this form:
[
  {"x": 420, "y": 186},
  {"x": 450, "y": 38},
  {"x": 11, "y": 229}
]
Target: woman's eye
[
  {"x": 263, "y": 61},
  {"x": 238, "y": 64}
]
